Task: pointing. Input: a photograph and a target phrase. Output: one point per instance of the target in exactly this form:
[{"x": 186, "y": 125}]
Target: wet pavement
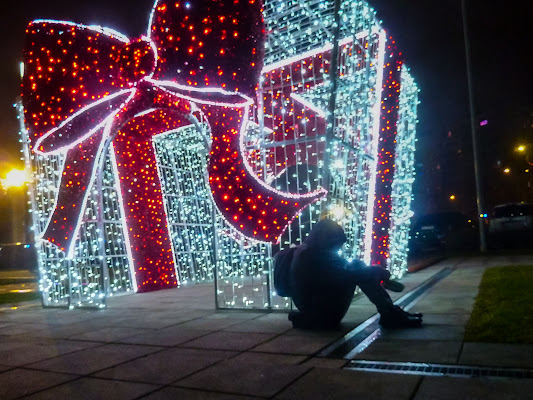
[{"x": 172, "y": 344}]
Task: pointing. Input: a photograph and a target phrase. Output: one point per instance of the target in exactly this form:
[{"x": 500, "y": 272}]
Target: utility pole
[{"x": 477, "y": 175}]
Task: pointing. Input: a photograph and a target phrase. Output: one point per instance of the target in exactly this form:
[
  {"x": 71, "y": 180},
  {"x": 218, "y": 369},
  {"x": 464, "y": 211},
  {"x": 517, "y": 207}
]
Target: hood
[{"x": 326, "y": 235}]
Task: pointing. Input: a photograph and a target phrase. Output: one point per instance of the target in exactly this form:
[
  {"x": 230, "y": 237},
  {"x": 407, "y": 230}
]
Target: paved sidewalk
[{"x": 172, "y": 344}]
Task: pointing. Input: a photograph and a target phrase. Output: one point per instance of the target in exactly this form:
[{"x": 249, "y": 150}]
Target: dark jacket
[{"x": 320, "y": 284}]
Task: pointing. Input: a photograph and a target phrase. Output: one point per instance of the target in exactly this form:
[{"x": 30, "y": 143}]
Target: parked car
[
  {"x": 18, "y": 256},
  {"x": 443, "y": 231},
  {"x": 511, "y": 217}
]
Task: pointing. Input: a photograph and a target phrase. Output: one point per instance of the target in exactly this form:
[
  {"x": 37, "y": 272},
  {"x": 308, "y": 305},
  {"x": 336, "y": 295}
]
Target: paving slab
[
  {"x": 497, "y": 355},
  {"x": 165, "y": 366},
  {"x": 263, "y": 380},
  {"x": 174, "y": 393},
  {"x": 171, "y": 336},
  {"x": 325, "y": 363},
  {"x": 294, "y": 344},
  {"x": 95, "y": 389},
  {"x": 445, "y": 319},
  {"x": 21, "y": 329},
  {"x": 110, "y": 334},
  {"x": 331, "y": 334},
  {"x": 91, "y": 360},
  {"x": 149, "y": 321},
  {"x": 262, "y": 325},
  {"x": 30, "y": 351},
  {"x": 210, "y": 324},
  {"x": 230, "y": 340},
  {"x": 268, "y": 358},
  {"x": 331, "y": 384},
  {"x": 64, "y": 331},
  {"x": 21, "y": 382},
  {"x": 447, "y": 388},
  {"x": 237, "y": 314},
  {"x": 425, "y": 332},
  {"x": 434, "y": 351}
]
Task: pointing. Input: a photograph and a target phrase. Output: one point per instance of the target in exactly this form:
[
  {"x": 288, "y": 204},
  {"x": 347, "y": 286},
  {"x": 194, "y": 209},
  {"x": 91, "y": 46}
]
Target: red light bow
[{"x": 87, "y": 88}]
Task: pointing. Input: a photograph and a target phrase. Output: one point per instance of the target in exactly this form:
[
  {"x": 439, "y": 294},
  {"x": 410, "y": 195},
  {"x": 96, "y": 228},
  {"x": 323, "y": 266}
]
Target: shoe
[
  {"x": 398, "y": 318},
  {"x": 393, "y": 286},
  {"x": 401, "y": 310}
]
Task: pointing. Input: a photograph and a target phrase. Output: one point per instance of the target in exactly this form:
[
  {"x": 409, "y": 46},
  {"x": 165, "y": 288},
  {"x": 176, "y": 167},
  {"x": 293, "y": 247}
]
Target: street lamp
[
  {"x": 14, "y": 178},
  {"x": 526, "y": 150},
  {"x": 477, "y": 173}
]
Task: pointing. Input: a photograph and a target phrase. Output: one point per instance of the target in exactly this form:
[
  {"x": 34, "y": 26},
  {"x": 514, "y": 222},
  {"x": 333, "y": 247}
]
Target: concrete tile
[
  {"x": 263, "y": 380},
  {"x": 230, "y": 340},
  {"x": 110, "y": 334},
  {"x": 30, "y": 351},
  {"x": 268, "y": 358},
  {"x": 4, "y": 368},
  {"x": 447, "y": 388},
  {"x": 262, "y": 325},
  {"x": 237, "y": 314},
  {"x": 92, "y": 389},
  {"x": 331, "y": 334},
  {"x": 174, "y": 393},
  {"x": 293, "y": 344},
  {"x": 21, "y": 329},
  {"x": 210, "y": 324},
  {"x": 426, "y": 332},
  {"x": 91, "y": 360},
  {"x": 435, "y": 351},
  {"x": 151, "y": 322},
  {"x": 332, "y": 384},
  {"x": 170, "y": 336},
  {"x": 62, "y": 331},
  {"x": 434, "y": 308},
  {"x": 21, "y": 382},
  {"x": 497, "y": 354},
  {"x": 325, "y": 363},
  {"x": 444, "y": 319},
  {"x": 166, "y": 366}
]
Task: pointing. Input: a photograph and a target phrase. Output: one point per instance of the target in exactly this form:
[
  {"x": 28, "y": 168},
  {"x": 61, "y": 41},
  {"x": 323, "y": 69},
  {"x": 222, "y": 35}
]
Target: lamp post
[
  {"x": 477, "y": 175},
  {"x": 12, "y": 186}
]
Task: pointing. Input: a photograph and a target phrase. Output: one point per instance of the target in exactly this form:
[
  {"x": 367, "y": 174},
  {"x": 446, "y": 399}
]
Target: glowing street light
[
  {"x": 506, "y": 170},
  {"x": 452, "y": 197},
  {"x": 15, "y": 178},
  {"x": 521, "y": 148}
]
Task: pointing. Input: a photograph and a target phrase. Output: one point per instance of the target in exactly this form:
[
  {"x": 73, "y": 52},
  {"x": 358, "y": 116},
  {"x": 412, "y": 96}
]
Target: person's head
[{"x": 326, "y": 235}]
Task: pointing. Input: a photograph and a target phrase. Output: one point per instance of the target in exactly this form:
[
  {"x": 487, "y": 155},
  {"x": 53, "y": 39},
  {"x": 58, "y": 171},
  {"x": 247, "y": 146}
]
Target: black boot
[
  {"x": 393, "y": 286},
  {"x": 398, "y": 318}
]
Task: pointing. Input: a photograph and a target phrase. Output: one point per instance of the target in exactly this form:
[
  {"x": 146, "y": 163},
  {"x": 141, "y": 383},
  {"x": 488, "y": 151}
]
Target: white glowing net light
[
  {"x": 100, "y": 267},
  {"x": 404, "y": 175}
]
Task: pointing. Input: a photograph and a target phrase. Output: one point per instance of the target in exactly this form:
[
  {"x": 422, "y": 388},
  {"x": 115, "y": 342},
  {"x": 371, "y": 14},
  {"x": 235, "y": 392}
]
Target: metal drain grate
[{"x": 461, "y": 371}]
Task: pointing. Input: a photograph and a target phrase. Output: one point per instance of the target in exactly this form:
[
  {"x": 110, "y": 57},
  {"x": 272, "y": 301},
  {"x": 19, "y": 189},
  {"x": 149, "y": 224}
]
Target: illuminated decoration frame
[
  {"x": 395, "y": 173},
  {"x": 315, "y": 124}
]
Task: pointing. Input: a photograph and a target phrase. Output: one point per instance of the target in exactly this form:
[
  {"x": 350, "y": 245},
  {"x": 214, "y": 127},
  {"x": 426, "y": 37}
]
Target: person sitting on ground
[{"x": 321, "y": 283}]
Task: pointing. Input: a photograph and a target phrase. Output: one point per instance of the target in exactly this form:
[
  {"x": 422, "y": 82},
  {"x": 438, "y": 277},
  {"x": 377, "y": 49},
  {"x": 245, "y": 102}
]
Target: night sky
[{"x": 429, "y": 32}]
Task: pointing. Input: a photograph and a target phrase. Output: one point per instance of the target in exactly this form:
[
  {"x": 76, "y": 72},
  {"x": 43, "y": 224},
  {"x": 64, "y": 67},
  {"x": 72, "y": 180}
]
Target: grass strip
[
  {"x": 503, "y": 312},
  {"x": 14, "y": 298}
]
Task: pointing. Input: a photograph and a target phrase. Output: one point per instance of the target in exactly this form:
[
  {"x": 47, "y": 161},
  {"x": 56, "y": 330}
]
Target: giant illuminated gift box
[{"x": 174, "y": 184}]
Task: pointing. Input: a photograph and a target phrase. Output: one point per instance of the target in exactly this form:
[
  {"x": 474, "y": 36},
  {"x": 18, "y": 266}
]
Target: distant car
[
  {"x": 18, "y": 256},
  {"x": 511, "y": 217},
  {"x": 442, "y": 231}
]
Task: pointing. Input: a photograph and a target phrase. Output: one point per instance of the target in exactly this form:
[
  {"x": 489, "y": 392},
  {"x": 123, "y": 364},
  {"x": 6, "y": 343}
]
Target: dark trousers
[
  {"x": 333, "y": 307},
  {"x": 369, "y": 281}
]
